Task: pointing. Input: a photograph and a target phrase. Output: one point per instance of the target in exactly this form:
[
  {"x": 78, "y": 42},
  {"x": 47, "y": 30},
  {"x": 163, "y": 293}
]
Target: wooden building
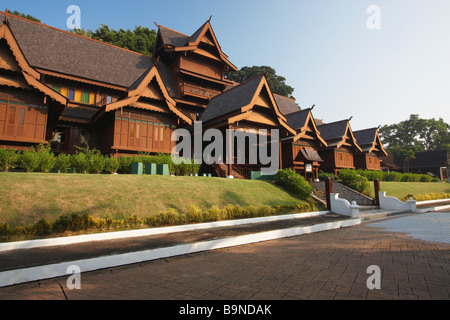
[
  {"x": 300, "y": 152},
  {"x": 249, "y": 107},
  {"x": 62, "y": 88},
  {"x": 372, "y": 149},
  {"x": 341, "y": 146},
  {"x": 59, "y": 87}
]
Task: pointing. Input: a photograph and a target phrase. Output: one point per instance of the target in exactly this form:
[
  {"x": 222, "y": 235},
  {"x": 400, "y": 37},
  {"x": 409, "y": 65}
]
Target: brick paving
[{"x": 329, "y": 265}]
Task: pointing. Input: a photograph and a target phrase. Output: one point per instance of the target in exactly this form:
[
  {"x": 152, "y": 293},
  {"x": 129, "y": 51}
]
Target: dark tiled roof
[
  {"x": 60, "y": 51},
  {"x": 297, "y": 119},
  {"x": 365, "y": 137},
  {"x": 173, "y": 38},
  {"x": 231, "y": 100},
  {"x": 286, "y": 105},
  {"x": 334, "y": 130},
  {"x": 176, "y": 39},
  {"x": 168, "y": 79},
  {"x": 197, "y": 33},
  {"x": 311, "y": 154}
]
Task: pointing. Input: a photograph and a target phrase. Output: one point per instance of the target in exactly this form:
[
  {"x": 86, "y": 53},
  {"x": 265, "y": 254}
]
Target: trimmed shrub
[
  {"x": 63, "y": 162},
  {"x": 125, "y": 164},
  {"x": 353, "y": 180},
  {"x": 111, "y": 164},
  {"x": 293, "y": 182},
  {"x": 96, "y": 163},
  {"x": 46, "y": 159},
  {"x": 78, "y": 222},
  {"x": 8, "y": 159},
  {"x": 323, "y": 176},
  {"x": 80, "y": 163},
  {"x": 394, "y": 176},
  {"x": 28, "y": 160},
  {"x": 428, "y": 196}
]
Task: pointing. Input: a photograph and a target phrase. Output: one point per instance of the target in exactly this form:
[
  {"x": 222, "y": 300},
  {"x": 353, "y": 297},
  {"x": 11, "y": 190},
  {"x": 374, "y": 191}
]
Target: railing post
[
  {"x": 328, "y": 191},
  {"x": 376, "y": 186}
]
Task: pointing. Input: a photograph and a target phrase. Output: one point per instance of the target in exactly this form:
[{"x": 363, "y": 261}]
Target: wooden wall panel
[
  {"x": 142, "y": 132},
  {"x": 21, "y": 120}
]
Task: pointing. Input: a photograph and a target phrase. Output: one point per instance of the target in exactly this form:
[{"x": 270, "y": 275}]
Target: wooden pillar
[
  {"x": 328, "y": 191},
  {"x": 376, "y": 185}
]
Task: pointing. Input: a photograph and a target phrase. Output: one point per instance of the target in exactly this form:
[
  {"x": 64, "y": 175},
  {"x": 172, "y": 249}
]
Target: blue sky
[{"x": 323, "y": 48}]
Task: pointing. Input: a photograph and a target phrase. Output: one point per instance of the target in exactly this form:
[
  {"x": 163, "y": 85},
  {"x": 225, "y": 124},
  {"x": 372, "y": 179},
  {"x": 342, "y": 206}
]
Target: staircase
[
  {"x": 344, "y": 193},
  {"x": 237, "y": 171}
]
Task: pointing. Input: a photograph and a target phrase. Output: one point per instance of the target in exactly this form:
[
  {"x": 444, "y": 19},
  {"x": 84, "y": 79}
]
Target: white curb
[
  {"x": 12, "y": 277},
  {"x": 146, "y": 232}
]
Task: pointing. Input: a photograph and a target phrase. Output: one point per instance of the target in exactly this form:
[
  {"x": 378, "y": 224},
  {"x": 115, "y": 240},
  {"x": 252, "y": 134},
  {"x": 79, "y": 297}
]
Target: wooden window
[
  {"x": 11, "y": 120},
  {"x": 64, "y": 92},
  {"x": 85, "y": 97},
  {"x": 91, "y": 98},
  {"x": 71, "y": 94},
  {"x": 132, "y": 132},
  {"x": 78, "y": 96},
  {"x": 3, "y": 107},
  {"x": 21, "y": 119}
]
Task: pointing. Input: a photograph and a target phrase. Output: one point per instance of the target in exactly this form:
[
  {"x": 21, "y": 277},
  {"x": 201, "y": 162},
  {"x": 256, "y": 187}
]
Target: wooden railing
[{"x": 189, "y": 89}]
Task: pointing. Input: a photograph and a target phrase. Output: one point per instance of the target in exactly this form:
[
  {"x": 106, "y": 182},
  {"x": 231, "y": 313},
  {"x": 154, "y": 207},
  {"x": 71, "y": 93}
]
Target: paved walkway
[{"x": 325, "y": 265}]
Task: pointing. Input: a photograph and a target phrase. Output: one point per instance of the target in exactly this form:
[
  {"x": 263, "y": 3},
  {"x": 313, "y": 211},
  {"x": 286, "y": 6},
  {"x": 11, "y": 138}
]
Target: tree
[
  {"x": 141, "y": 39},
  {"x": 26, "y": 16},
  {"x": 408, "y": 137},
  {"x": 277, "y": 83}
]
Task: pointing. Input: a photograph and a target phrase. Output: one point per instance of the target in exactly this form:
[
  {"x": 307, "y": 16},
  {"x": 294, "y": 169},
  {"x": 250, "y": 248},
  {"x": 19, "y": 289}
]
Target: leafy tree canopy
[
  {"x": 277, "y": 83},
  {"x": 407, "y": 137},
  {"x": 141, "y": 39},
  {"x": 22, "y": 15}
]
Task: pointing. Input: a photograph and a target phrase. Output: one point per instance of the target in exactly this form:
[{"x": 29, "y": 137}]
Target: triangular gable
[
  {"x": 349, "y": 135},
  {"x": 263, "y": 95},
  {"x": 377, "y": 144},
  {"x": 145, "y": 87},
  {"x": 175, "y": 41},
  {"x": 31, "y": 76},
  {"x": 309, "y": 124}
]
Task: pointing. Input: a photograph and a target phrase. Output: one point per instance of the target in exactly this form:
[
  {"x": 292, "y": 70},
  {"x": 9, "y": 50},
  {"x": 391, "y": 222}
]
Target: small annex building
[
  {"x": 372, "y": 149},
  {"x": 341, "y": 148}
]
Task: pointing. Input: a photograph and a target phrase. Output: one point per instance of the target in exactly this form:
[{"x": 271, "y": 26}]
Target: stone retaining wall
[{"x": 344, "y": 193}]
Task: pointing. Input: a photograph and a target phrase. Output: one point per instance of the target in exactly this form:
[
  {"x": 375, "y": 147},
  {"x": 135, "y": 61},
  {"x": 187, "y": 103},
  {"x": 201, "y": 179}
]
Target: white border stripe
[
  {"x": 57, "y": 270},
  {"x": 147, "y": 232}
]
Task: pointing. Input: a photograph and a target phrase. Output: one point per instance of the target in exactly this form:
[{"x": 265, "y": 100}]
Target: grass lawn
[
  {"x": 402, "y": 189},
  {"x": 27, "y": 197}
]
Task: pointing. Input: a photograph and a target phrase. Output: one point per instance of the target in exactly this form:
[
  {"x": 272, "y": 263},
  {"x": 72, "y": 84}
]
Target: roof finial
[
  {"x": 313, "y": 106},
  {"x": 157, "y": 25},
  {"x": 209, "y": 18},
  {"x": 350, "y": 118},
  {"x": 6, "y": 16},
  {"x": 379, "y": 127}
]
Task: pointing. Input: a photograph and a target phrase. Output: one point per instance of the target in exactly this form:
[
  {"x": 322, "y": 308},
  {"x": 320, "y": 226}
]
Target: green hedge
[
  {"x": 371, "y": 175},
  {"x": 84, "y": 222},
  {"x": 427, "y": 196},
  {"x": 293, "y": 182},
  {"x": 40, "y": 159},
  {"x": 354, "y": 180}
]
